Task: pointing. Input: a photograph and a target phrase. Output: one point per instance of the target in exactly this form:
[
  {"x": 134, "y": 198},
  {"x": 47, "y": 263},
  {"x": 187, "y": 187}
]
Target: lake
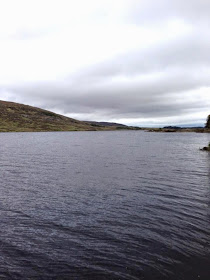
[{"x": 104, "y": 205}]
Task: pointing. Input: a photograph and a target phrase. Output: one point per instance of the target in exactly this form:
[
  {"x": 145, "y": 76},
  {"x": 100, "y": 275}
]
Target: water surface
[{"x": 104, "y": 205}]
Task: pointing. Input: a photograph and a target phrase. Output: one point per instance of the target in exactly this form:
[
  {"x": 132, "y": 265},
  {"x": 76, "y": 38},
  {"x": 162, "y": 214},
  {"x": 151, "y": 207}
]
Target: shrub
[{"x": 208, "y": 122}]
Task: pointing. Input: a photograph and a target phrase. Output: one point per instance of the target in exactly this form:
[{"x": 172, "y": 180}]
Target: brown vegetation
[{"x": 19, "y": 117}]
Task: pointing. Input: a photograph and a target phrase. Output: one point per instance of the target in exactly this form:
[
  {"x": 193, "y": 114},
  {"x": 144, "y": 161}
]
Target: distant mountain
[
  {"x": 19, "y": 117},
  {"x": 106, "y": 124}
]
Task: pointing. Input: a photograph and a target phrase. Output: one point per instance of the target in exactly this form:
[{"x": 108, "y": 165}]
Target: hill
[
  {"x": 107, "y": 124},
  {"x": 19, "y": 117}
]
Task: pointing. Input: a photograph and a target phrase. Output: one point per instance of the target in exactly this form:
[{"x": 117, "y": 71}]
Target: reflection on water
[{"x": 104, "y": 205}]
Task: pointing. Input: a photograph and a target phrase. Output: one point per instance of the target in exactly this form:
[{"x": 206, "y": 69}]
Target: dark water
[{"x": 104, "y": 205}]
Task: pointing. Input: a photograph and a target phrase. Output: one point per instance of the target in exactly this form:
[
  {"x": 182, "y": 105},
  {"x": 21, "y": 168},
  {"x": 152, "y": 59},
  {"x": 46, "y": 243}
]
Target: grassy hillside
[{"x": 19, "y": 117}]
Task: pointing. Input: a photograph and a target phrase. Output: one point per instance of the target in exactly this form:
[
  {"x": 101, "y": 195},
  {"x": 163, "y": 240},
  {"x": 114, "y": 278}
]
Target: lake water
[{"x": 104, "y": 205}]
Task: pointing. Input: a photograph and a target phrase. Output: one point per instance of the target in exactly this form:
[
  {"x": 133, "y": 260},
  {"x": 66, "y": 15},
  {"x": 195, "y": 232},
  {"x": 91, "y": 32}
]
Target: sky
[{"x": 137, "y": 62}]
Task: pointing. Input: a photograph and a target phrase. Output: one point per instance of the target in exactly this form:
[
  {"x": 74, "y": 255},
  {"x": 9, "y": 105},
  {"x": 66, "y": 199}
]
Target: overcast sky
[{"x": 139, "y": 62}]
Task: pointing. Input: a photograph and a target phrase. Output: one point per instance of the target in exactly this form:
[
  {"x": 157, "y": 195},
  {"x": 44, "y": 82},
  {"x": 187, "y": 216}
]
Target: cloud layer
[{"x": 136, "y": 62}]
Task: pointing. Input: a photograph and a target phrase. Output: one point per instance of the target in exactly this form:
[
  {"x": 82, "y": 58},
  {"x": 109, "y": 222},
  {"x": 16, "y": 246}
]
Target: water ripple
[{"x": 104, "y": 205}]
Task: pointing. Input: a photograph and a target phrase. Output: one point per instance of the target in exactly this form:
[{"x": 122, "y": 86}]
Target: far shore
[{"x": 180, "y": 130}]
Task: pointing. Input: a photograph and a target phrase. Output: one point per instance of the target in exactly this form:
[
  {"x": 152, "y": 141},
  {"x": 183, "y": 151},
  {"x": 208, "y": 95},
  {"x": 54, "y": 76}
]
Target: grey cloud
[
  {"x": 149, "y": 11},
  {"x": 187, "y": 52},
  {"x": 144, "y": 83},
  {"x": 163, "y": 96}
]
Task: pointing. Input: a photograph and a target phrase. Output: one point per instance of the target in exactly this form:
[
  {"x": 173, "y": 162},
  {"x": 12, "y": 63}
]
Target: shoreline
[{"x": 180, "y": 130}]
